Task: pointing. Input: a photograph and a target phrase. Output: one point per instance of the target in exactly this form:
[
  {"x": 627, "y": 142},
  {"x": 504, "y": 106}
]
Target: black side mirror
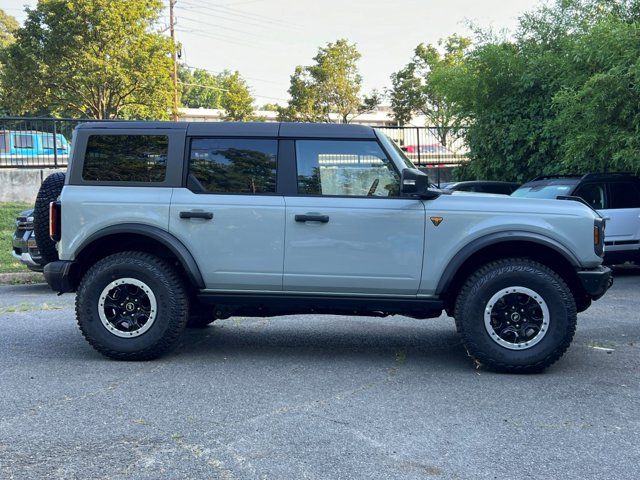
[{"x": 414, "y": 183}]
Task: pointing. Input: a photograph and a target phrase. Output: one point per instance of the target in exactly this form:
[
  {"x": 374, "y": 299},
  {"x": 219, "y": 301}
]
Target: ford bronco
[{"x": 160, "y": 225}]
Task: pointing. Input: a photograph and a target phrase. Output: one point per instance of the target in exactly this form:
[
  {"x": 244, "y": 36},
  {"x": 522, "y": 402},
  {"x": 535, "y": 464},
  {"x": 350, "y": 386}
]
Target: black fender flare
[
  {"x": 176, "y": 247},
  {"x": 478, "y": 244}
]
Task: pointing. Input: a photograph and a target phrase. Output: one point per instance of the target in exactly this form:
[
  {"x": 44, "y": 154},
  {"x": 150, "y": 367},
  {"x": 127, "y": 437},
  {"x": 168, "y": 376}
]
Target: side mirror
[{"x": 414, "y": 183}]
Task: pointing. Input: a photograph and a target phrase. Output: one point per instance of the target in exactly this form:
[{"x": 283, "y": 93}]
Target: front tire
[
  {"x": 515, "y": 315},
  {"x": 132, "y": 306}
]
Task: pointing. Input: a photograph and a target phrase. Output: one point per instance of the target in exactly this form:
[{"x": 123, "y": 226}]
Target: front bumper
[
  {"x": 25, "y": 249},
  {"x": 60, "y": 275},
  {"x": 596, "y": 281}
]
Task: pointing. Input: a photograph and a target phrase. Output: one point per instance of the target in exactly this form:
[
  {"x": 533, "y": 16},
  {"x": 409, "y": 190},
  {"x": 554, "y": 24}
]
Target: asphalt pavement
[{"x": 318, "y": 397}]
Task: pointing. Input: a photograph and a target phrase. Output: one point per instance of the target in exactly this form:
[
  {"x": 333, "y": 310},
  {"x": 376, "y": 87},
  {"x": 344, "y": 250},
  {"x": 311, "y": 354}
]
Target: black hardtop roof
[{"x": 252, "y": 129}]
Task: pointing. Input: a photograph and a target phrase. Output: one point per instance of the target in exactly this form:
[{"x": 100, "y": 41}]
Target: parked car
[
  {"x": 157, "y": 220},
  {"x": 18, "y": 147},
  {"x": 616, "y": 196},
  {"x": 482, "y": 186},
  {"x": 25, "y": 248}
]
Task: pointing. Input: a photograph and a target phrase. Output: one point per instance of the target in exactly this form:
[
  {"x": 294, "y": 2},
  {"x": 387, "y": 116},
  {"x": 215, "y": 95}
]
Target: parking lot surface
[{"x": 316, "y": 397}]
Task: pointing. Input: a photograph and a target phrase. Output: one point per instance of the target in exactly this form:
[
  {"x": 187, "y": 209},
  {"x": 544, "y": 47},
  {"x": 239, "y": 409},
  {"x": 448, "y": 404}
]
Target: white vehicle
[{"x": 616, "y": 196}]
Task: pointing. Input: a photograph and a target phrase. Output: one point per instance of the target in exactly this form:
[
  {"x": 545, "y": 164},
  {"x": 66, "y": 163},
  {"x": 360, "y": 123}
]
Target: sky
[{"x": 265, "y": 39}]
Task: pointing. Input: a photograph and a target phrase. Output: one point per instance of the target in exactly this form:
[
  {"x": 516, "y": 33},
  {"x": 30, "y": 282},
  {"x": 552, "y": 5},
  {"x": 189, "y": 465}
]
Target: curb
[{"x": 21, "y": 278}]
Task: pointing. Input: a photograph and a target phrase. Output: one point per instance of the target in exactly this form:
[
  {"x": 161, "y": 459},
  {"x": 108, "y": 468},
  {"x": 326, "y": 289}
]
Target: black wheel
[
  {"x": 132, "y": 306},
  {"x": 515, "y": 315},
  {"x": 49, "y": 192},
  {"x": 200, "y": 316}
]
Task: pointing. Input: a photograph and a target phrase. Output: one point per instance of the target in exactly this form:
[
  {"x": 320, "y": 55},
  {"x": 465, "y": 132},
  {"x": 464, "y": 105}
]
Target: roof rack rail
[
  {"x": 608, "y": 174},
  {"x": 567, "y": 175}
]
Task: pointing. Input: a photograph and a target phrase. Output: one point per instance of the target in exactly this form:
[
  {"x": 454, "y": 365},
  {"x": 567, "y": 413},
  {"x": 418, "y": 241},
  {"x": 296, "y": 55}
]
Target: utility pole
[{"x": 174, "y": 74}]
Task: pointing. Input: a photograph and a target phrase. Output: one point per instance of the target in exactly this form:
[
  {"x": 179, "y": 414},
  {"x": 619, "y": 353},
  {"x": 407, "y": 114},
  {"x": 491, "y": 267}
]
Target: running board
[{"x": 268, "y": 305}]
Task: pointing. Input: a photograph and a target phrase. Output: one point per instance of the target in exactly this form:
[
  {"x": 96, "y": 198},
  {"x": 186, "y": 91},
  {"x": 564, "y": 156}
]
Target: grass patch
[{"x": 8, "y": 213}]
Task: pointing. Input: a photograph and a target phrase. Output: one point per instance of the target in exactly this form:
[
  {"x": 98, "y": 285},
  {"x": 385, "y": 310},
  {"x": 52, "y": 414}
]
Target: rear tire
[
  {"x": 49, "y": 192},
  {"x": 132, "y": 306},
  {"x": 515, "y": 315}
]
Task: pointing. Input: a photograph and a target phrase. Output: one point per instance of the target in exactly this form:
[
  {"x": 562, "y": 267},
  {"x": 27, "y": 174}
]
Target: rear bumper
[
  {"x": 60, "y": 276},
  {"x": 596, "y": 281}
]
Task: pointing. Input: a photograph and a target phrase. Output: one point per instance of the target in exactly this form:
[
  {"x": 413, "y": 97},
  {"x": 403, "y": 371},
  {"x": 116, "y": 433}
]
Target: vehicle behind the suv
[{"x": 616, "y": 196}]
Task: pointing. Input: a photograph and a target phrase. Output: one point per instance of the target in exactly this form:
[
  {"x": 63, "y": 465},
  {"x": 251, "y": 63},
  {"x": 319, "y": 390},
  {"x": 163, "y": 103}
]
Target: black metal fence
[{"x": 46, "y": 143}]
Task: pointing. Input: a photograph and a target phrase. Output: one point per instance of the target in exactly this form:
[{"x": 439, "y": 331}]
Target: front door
[
  {"x": 229, "y": 216},
  {"x": 347, "y": 230},
  {"x": 623, "y": 210}
]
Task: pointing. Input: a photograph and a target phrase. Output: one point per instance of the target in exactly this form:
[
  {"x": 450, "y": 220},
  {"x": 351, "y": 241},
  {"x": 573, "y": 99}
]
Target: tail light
[{"x": 55, "y": 224}]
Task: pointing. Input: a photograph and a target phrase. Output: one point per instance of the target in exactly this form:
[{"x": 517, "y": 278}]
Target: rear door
[
  {"x": 347, "y": 229},
  {"x": 623, "y": 209},
  {"x": 229, "y": 215}
]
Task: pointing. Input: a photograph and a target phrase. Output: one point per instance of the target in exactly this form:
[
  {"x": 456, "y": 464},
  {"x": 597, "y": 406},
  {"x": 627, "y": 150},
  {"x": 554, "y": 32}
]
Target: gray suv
[{"x": 161, "y": 225}]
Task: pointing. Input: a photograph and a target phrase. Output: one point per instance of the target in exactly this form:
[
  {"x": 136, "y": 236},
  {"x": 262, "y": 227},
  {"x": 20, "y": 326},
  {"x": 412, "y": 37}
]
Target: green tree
[
  {"x": 95, "y": 58},
  {"x": 561, "y": 97},
  {"x": 330, "y": 86},
  {"x": 237, "y": 100},
  {"x": 8, "y": 27},
  {"x": 270, "y": 107},
  {"x": 417, "y": 88},
  {"x": 200, "y": 88}
]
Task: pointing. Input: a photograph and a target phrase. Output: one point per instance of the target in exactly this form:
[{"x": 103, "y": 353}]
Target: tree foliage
[
  {"x": 416, "y": 88},
  {"x": 562, "y": 97},
  {"x": 199, "y": 88},
  {"x": 237, "y": 100},
  {"x": 8, "y": 27},
  {"x": 227, "y": 90},
  {"x": 330, "y": 86},
  {"x": 94, "y": 58}
]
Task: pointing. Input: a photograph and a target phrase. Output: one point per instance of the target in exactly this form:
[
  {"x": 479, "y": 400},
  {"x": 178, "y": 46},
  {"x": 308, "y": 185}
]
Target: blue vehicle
[{"x": 21, "y": 147}]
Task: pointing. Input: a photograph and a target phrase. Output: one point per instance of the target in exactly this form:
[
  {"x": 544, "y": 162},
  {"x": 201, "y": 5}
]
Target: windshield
[
  {"x": 394, "y": 149},
  {"x": 543, "y": 190}
]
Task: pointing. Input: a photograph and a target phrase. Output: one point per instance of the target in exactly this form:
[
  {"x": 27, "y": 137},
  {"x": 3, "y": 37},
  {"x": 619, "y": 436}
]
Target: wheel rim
[
  {"x": 127, "y": 307},
  {"x": 516, "y": 318}
]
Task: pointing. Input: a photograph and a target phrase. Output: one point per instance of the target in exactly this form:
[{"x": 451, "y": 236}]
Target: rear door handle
[
  {"x": 204, "y": 215},
  {"x": 312, "y": 217}
]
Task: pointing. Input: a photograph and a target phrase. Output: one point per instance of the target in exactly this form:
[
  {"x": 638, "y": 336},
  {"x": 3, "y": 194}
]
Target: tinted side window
[
  {"x": 23, "y": 141},
  {"x": 345, "y": 167},
  {"x": 624, "y": 195},
  {"x": 126, "y": 158},
  {"x": 593, "y": 194},
  {"x": 232, "y": 165}
]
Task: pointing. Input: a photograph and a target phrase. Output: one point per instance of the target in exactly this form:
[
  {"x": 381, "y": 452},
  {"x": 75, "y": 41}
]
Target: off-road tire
[
  {"x": 49, "y": 192},
  {"x": 172, "y": 305},
  {"x": 495, "y": 276}
]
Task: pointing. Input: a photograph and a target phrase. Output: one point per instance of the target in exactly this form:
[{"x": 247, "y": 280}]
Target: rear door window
[
  {"x": 624, "y": 195},
  {"x": 233, "y": 165},
  {"x": 594, "y": 194},
  {"x": 126, "y": 158}
]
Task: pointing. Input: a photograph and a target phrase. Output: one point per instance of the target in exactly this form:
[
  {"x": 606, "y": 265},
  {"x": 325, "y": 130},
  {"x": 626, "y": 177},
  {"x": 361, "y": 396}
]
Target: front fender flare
[{"x": 495, "y": 238}]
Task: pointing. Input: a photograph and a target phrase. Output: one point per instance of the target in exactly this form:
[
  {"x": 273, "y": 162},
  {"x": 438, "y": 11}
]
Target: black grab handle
[
  {"x": 205, "y": 215},
  {"x": 312, "y": 218}
]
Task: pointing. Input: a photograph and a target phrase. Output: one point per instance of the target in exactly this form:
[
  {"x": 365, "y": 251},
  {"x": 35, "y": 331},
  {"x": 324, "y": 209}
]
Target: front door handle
[
  {"x": 204, "y": 215},
  {"x": 312, "y": 217}
]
